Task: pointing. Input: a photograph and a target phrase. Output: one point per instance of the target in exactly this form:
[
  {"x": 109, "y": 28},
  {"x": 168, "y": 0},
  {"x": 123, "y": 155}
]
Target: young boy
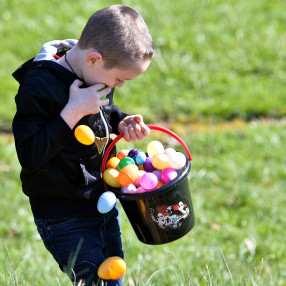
[{"x": 60, "y": 176}]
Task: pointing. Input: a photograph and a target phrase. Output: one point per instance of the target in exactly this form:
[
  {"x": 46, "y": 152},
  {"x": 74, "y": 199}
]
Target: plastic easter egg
[
  {"x": 141, "y": 190},
  {"x": 149, "y": 181},
  {"x": 129, "y": 189},
  {"x": 84, "y": 135},
  {"x": 170, "y": 152},
  {"x": 138, "y": 156},
  {"x": 112, "y": 163},
  {"x": 141, "y": 167},
  {"x": 158, "y": 174},
  {"x": 106, "y": 202},
  {"x": 168, "y": 175},
  {"x": 122, "y": 154},
  {"x": 113, "y": 267},
  {"x": 148, "y": 167},
  {"x": 127, "y": 175},
  {"x": 110, "y": 178},
  {"x": 124, "y": 162},
  {"x": 154, "y": 147},
  {"x": 138, "y": 179},
  {"x": 178, "y": 160},
  {"x": 159, "y": 185},
  {"x": 160, "y": 161}
]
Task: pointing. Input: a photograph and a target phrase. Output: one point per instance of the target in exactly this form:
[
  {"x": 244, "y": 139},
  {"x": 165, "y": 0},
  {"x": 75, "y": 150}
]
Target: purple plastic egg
[
  {"x": 157, "y": 173},
  {"x": 168, "y": 175},
  {"x": 149, "y": 181},
  {"x": 148, "y": 167}
]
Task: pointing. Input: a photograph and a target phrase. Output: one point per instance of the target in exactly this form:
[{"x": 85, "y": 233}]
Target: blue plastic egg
[
  {"x": 138, "y": 156},
  {"x": 106, "y": 202}
]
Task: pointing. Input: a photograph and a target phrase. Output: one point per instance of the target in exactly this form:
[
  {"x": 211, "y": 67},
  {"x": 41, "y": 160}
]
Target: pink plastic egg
[
  {"x": 149, "y": 181},
  {"x": 141, "y": 190},
  {"x": 129, "y": 189},
  {"x": 170, "y": 152},
  {"x": 168, "y": 175},
  {"x": 138, "y": 179}
]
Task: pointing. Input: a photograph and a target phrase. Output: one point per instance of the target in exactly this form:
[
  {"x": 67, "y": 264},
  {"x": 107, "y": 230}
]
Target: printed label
[{"x": 170, "y": 217}]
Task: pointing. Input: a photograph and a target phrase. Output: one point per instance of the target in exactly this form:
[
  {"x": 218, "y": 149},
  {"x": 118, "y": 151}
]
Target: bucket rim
[{"x": 136, "y": 196}]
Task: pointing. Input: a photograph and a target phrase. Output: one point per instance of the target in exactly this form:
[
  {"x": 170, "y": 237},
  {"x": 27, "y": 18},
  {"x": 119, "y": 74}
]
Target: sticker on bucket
[{"x": 170, "y": 217}]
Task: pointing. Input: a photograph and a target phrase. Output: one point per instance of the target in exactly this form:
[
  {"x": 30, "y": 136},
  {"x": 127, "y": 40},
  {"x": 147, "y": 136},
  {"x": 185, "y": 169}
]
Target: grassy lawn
[
  {"x": 237, "y": 182},
  {"x": 214, "y": 59},
  {"x": 219, "y": 66}
]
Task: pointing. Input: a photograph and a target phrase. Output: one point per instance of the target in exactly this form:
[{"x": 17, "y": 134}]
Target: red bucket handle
[{"x": 153, "y": 127}]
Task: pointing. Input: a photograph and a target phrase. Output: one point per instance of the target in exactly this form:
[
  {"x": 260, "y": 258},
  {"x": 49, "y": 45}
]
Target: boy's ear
[{"x": 92, "y": 58}]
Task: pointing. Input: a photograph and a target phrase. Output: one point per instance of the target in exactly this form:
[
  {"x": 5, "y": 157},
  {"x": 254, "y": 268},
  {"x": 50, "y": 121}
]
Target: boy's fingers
[
  {"x": 126, "y": 134},
  {"x": 145, "y": 129},
  {"x": 138, "y": 118},
  {"x": 77, "y": 83},
  {"x": 104, "y": 102},
  {"x": 104, "y": 92}
]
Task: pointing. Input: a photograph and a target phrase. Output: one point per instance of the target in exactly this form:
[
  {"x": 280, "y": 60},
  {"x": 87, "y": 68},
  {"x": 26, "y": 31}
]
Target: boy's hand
[
  {"x": 133, "y": 128},
  {"x": 84, "y": 101}
]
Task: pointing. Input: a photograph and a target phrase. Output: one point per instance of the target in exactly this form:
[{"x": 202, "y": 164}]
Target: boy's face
[{"x": 115, "y": 77}]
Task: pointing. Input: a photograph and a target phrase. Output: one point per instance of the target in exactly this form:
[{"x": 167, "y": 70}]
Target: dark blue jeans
[{"x": 80, "y": 245}]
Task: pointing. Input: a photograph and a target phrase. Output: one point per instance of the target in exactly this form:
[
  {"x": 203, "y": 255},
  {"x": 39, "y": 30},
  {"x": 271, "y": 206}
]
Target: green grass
[
  {"x": 215, "y": 59},
  {"x": 237, "y": 183}
]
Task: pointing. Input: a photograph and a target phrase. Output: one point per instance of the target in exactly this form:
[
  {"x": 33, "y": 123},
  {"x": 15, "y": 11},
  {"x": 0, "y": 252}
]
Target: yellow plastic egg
[
  {"x": 154, "y": 147},
  {"x": 110, "y": 178},
  {"x": 84, "y": 135},
  {"x": 160, "y": 161},
  {"x": 141, "y": 167},
  {"x": 113, "y": 267}
]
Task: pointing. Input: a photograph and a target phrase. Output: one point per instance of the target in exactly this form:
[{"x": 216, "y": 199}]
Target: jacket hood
[{"x": 62, "y": 73}]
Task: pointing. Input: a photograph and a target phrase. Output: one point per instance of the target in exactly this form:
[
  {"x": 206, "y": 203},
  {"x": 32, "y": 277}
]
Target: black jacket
[{"x": 60, "y": 175}]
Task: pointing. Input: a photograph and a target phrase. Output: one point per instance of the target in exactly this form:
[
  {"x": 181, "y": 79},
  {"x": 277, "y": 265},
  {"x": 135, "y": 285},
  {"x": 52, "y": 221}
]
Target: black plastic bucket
[{"x": 165, "y": 214}]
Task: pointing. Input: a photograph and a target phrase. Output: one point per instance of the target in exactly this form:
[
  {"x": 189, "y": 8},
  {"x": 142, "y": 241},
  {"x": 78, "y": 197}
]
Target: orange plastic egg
[
  {"x": 110, "y": 177},
  {"x": 84, "y": 135},
  {"x": 112, "y": 163},
  {"x": 112, "y": 268},
  {"x": 122, "y": 154},
  {"x": 127, "y": 175},
  {"x": 159, "y": 185},
  {"x": 117, "y": 269}
]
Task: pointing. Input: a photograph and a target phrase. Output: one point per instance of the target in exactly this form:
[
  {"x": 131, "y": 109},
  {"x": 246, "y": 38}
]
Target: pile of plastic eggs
[{"x": 134, "y": 172}]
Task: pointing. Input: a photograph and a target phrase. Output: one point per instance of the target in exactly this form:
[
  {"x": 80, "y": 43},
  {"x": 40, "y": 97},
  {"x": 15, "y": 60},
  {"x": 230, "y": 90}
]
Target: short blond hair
[{"x": 120, "y": 34}]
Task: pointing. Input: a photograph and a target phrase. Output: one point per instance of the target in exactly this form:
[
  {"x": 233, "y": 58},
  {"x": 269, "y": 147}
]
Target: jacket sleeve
[
  {"x": 116, "y": 116},
  {"x": 39, "y": 130}
]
